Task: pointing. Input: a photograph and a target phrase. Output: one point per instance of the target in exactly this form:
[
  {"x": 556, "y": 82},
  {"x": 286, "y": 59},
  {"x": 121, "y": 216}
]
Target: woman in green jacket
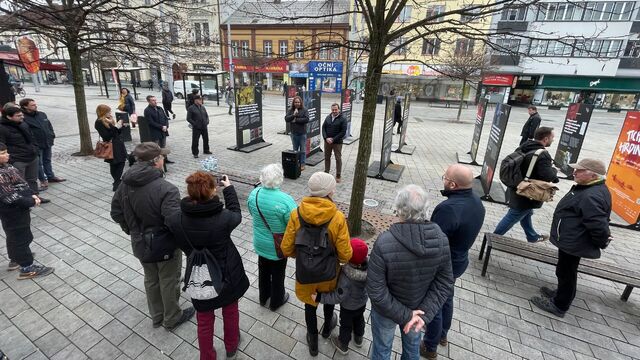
[{"x": 270, "y": 208}]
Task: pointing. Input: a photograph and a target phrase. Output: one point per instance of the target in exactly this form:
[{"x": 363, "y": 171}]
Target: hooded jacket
[
  {"x": 152, "y": 199},
  {"x": 410, "y": 269},
  {"x": 276, "y": 206},
  {"x": 317, "y": 211},
  {"x": 19, "y": 140},
  {"x": 298, "y": 122},
  {"x": 580, "y": 225},
  {"x": 351, "y": 292},
  {"x": 543, "y": 170},
  {"x": 209, "y": 225},
  {"x": 15, "y": 193},
  {"x": 41, "y": 128}
]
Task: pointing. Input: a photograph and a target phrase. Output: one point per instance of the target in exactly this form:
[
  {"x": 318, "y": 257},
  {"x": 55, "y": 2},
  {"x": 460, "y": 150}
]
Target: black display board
[
  {"x": 481, "y": 111},
  {"x": 498, "y": 127},
  {"x": 346, "y": 105},
  {"x": 292, "y": 91},
  {"x": 313, "y": 103},
  {"x": 385, "y": 169},
  {"x": 572, "y": 137},
  {"x": 143, "y": 129},
  {"x": 248, "y": 120},
  {"x": 402, "y": 147}
]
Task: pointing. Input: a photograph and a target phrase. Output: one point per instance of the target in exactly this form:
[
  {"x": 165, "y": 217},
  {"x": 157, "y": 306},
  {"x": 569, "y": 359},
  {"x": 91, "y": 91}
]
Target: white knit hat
[{"x": 321, "y": 184}]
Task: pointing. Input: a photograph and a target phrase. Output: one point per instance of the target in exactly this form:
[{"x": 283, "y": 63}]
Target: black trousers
[
  {"x": 567, "y": 274},
  {"x": 116, "y": 173},
  {"x": 195, "y": 140},
  {"x": 271, "y": 281},
  {"x": 16, "y": 224},
  {"x": 351, "y": 321},
  {"x": 310, "y": 316},
  {"x": 167, "y": 108}
]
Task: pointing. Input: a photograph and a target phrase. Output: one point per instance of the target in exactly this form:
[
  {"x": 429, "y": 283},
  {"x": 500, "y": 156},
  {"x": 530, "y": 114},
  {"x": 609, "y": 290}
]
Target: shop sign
[
  {"x": 409, "y": 69},
  {"x": 591, "y": 83},
  {"x": 261, "y": 66},
  {"x": 325, "y": 67},
  {"x": 498, "y": 80}
]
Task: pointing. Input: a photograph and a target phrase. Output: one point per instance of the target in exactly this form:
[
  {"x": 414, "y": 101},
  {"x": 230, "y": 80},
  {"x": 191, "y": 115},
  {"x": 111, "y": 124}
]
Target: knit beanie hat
[
  {"x": 321, "y": 184},
  {"x": 360, "y": 250}
]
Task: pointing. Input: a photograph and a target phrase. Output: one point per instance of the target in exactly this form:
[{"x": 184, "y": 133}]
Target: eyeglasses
[{"x": 447, "y": 179}]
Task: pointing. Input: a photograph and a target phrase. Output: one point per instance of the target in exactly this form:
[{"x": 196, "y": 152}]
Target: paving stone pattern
[{"x": 94, "y": 305}]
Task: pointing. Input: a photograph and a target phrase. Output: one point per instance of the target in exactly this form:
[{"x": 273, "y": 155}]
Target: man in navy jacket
[
  {"x": 158, "y": 123},
  {"x": 460, "y": 217}
]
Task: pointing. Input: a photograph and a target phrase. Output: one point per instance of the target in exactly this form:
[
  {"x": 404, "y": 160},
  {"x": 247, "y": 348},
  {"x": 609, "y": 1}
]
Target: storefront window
[
  {"x": 619, "y": 101},
  {"x": 558, "y": 98}
]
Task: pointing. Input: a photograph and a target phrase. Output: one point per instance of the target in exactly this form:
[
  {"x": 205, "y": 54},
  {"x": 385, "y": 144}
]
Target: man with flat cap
[{"x": 580, "y": 228}]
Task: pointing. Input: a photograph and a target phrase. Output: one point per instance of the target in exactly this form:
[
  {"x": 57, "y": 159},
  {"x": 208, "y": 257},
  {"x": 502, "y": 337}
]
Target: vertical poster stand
[
  {"x": 623, "y": 175},
  {"x": 482, "y": 185},
  {"x": 385, "y": 169},
  {"x": 477, "y": 132},
  {"x": 346, "y": 106},
  {"x": 402, "y": 147},
  {"x": 125, "y": 132},
  {"x": 248, "y": 120},
  {"x": 313, "y": 103},
  {"x": 572, "y": 137},
  {"x": 292, "y": 91}
]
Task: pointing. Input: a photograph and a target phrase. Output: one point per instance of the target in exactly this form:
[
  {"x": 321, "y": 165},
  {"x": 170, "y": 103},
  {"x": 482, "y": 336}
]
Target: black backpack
[
  {"x": 316, "y": 258},
  {"x": 511, "y": 168}
]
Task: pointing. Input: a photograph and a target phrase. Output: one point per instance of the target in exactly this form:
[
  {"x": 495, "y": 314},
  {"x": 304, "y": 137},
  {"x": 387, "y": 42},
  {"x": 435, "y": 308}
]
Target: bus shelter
[{"x": 208, "y": 84}]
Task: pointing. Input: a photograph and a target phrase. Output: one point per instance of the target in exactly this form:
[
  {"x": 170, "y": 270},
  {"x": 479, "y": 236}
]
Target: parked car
[{"x": 180, "y": 91}]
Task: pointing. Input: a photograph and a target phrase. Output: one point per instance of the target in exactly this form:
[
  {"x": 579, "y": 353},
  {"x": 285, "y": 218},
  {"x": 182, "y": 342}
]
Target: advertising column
[{"x": 573, "y": 131}]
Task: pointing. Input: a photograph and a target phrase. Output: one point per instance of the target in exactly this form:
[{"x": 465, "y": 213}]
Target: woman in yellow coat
[{"x": 319, "y": 209}]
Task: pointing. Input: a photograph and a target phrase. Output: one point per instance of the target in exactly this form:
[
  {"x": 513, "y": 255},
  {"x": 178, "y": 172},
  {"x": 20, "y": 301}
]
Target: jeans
[
  {"x": 46, "y": 170},
  {"x": 300, "y": 145},
  {"x": 29, "y": 172},
  {"x": 231, "y": 328},
  {"x": 567, "y": 274},
  {"x": 351, "y": 321},
  {"x": 271, "y": 281},
  {"x": 310, "y": 316},
  {"x": 162, "y": 286},
  {"x": 382, "y": 330},
  {"x": 512, "y": 217},
  {"x": 16, "y": 224}
]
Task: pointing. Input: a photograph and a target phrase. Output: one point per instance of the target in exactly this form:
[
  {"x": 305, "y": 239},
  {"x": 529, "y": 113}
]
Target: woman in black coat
[
  {"x": 109, "y": 130},
  {"x": 208, "y": 223}
]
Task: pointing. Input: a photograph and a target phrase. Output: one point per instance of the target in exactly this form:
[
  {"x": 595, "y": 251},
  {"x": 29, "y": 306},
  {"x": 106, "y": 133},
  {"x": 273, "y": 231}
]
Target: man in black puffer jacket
[
  {"x": 531, "y": 125},
  {"x": 141, "y": 204},
  {"x": 409, "y": 276},
  {"x": 520, "y": 207},
  {"x": 580, "y": 228},
  {"x": 334, "y": 130}
]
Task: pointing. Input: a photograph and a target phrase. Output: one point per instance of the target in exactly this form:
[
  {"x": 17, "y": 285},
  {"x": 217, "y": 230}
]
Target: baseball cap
[
  {"x": 594, "y": 165},
  {"x": 148, "y": 151}
]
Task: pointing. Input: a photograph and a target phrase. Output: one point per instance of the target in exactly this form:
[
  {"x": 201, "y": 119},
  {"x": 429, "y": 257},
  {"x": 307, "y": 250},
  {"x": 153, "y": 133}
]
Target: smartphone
[{"x": 221, "y": 179}]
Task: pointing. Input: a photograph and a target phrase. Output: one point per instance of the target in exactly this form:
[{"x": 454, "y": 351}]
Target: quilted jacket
[{"x": 276, "y": 206}]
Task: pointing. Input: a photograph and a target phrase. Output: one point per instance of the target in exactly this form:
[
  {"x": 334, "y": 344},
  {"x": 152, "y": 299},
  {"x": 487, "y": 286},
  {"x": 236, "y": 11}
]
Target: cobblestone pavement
[{"x": 94, "y": 305}]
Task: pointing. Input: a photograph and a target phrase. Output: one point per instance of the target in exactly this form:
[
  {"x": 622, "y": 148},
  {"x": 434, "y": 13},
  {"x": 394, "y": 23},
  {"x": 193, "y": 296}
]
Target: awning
[
  {"x": 13, "y": 59},
  {"x": 591, "y": 83}
]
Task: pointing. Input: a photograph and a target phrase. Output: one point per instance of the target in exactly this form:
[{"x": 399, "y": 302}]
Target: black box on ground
[{"x": 291, "y": 164}]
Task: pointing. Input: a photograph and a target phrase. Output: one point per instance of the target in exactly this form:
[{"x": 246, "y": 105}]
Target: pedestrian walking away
[{"x": 167, "y": 100}]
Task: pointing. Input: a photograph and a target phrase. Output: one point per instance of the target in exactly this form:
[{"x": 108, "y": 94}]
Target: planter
[{"x": 555, "y": 107}]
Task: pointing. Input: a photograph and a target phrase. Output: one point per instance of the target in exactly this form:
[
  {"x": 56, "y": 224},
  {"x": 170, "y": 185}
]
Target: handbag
[
  {"x": 533, "y": 189},
  {"x": 277, "y": 238},
  {"x": 104, "y": 150}
]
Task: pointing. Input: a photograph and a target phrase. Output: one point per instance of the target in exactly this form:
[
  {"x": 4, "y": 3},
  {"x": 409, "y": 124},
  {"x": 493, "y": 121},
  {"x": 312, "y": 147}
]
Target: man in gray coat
[
  {"x": 409, "y": 276},
  {"x": 140, "y": 205}
]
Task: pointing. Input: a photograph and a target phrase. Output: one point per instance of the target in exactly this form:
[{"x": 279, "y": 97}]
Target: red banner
[
  {"x": 29, "y": 54},
  {"x": 623, "y": 176},
  {"x": 262, "y": 65},
  {"x": 498, "y": 80}
]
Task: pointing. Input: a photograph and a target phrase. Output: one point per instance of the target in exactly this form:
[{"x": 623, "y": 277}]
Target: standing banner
[
  {"x": 29, "y": 54},
  {"x": 402, "y": 147},
  {"x": 313, "y": 103},
  {"x": 385, "y": 169},
  {"x": 498, "y": 127},
  {"x": 572, "y": 137},
  {"x": 623, "y": 175},
  {"x": 292, "y": 91},
  {"x": 346, "y": 105},
  {"x": 481, "y": 112},
  {"x": 248, "y": 120}
]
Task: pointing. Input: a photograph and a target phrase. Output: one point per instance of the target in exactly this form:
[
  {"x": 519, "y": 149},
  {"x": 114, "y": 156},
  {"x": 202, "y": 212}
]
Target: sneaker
[
  {"x": 545, "y": 304},
  {"x": 357, "y": 341},
  {"x": 444, "y": 341},
  {"x": 540, "y": 238},
  {"x": 13, "y": 266},
  {"x": 186, "y": 315},
  {"x": 547, "y": 292},
  {"x": 285, "y": 299},
  {"x": 34, "y": 270},
  {"x": 327, "y": 328},
  {"x": 342, "y": 348},
  {"x": 431, "y": 355}
]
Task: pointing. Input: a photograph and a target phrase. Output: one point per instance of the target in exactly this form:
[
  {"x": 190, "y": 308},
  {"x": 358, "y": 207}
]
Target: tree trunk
[
  {"x": 372, "y": 83},
  {"x": 86, "y": 146},
  {"x": 464, "y": 83}
]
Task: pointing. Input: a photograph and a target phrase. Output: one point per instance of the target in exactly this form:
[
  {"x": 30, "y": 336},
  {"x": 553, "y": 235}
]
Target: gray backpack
[{"x": 316, "y": 258}]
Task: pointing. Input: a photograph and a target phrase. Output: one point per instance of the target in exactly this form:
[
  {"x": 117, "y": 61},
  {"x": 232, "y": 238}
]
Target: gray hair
[
  {"x": 411, "y": 203},
  {"x": 272, "y": 176}
]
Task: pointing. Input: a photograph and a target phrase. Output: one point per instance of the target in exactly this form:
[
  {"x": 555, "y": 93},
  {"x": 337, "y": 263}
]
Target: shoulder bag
[
  {"x": 104, "y": 150},
  {"x": 277, "y": 238},
  {"x": 533, "y": 189}
]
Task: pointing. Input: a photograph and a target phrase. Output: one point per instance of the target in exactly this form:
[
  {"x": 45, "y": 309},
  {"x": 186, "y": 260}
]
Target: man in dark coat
[
  {"x": 140, "y": 205},
  {"x": 198, "y": 118},
  {"x": 460, "y": 217},
  {"x": 43, "y": 134},
  {"x": 158, "y": 123},
  {"x": 581, "y": 220},
  {"x": 531, "y": 125},
  {"x": 397, "y": 113},
  {"x": 520, "y": 207},
  {"x": 167, "y": 100},
  {"x": 413, "y": 249},
  {"x": 15, "y": 133},
  {"x": 334, "y": 130}
]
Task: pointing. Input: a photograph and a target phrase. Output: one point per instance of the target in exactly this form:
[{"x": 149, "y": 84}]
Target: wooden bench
[
  {"x": 239, "y": 178},
  {"x": 546, "y": 255}
]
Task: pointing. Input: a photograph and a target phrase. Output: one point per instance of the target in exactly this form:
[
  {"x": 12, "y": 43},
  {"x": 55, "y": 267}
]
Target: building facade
[{"x": 562, "y": 52}]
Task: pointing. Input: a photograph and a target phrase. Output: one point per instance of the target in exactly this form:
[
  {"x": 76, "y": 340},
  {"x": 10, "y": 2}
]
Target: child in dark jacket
[
  {"x": 351, "y": 294},
  {"x": 16, "y": 198}
]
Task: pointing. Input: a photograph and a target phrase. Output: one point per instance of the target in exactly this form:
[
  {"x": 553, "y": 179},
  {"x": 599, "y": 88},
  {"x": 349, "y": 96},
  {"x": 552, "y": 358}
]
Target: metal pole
[{"x": 230, "y": 53}]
